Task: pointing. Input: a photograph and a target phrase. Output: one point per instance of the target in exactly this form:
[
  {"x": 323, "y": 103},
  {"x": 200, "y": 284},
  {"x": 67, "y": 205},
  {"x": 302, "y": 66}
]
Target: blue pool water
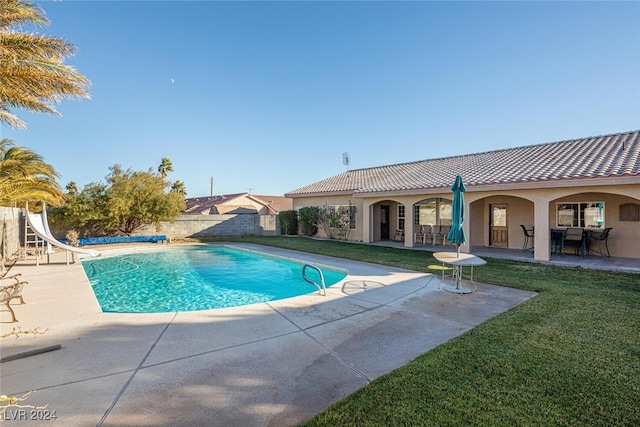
[{"x": 196, "y": 278}]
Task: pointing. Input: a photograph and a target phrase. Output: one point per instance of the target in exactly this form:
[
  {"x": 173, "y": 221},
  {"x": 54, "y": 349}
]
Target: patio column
[
  {"x": 367, "y": 226},
  {"x": 408, "y": 225},
  {"x": 466, "y": 226},
  {"x": 541, "y": 238}
]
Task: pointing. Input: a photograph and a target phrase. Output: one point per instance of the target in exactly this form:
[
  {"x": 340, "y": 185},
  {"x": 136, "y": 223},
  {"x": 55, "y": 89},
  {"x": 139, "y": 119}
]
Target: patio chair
[
  {"x": 599, "y": 236},
  {"x": 528, "y": 234},
  {"x": 557, "y": 241},
  {"x": 444, "y": 231},
  {"x": 574, "y": 238},
  {"x": 10, "y": 292},
  {"x": 421, "y": 234},
  {"x": 439, "y": 232}
]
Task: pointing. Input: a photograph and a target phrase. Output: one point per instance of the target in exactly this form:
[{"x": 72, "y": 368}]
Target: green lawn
[{"x": 570, "y": 356}]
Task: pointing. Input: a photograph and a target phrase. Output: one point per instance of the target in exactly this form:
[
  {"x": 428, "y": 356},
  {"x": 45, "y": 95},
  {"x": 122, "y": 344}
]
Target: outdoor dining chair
[
  {"x": 574, "y": 238},
  {"x": 421, "y": 234},
  {"x": 528, "y": 234},
  {"x": 599, "y": 236},
  {"x": 440, "y": 232}
]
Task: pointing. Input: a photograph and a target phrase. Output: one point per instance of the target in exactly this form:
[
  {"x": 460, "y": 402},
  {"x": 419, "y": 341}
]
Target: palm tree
[
  {"x": 24, "y": 176},
  {"x": 72, "y": 187},
  {"x": 32, "y": 71},
  {"x": 165, "y": 167},
  {"x": 179, "y": 188}
]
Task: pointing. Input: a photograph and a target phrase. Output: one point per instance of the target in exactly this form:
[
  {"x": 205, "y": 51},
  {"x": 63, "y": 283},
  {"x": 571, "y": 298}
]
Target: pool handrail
[{"x": 321, "y": 290}]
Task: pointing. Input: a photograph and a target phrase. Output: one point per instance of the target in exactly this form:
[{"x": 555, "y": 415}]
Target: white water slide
[{"x": 40, "y": 226}]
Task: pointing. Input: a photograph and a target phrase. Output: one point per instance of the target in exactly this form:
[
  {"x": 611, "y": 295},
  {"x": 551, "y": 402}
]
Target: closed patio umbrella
[{"x": 456, "y": 234}]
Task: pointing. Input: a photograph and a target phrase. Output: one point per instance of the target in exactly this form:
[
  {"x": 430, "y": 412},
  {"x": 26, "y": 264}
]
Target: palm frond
[{"x": 19, "y": 12}]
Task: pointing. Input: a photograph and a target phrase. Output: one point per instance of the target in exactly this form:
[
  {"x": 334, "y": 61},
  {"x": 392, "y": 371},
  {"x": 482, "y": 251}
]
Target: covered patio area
[{"x": 596, "y": 262}]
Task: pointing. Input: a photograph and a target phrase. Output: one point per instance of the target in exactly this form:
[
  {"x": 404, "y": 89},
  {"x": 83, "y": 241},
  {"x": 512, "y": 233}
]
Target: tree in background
[
  {"x": 136, "y": 199},
  {"x": 165, "y": 167},
  {"x": 72, "y": 187},
  {"x": 130, "y": 200},
  {"x": 25, "y": 177},
  {"x": 179, "y": 188},
  {"x": 33, "y": 75}
]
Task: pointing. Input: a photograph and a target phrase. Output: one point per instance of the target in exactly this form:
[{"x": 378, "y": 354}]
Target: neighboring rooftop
[
  {"x": 613, "y": 155},
  {"x": 236, "y": 203}
]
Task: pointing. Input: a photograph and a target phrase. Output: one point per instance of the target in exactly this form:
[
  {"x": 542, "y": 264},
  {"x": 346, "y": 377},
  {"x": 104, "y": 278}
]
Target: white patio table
[{"x": 458, "y": 261}]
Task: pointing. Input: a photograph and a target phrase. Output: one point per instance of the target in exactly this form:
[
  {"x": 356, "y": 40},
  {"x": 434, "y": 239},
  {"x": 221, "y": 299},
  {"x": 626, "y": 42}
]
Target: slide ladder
[
  {"x": 322, "y": 290},
  {"x": 32, "y": 243},
  {"x": 38, "y": 226}
]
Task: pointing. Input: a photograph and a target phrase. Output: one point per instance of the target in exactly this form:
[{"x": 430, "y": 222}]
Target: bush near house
[
  {"x": 308, "y": 219},
  {"x": 288, "y": 222},
  {"x": 335, "y": 221}
]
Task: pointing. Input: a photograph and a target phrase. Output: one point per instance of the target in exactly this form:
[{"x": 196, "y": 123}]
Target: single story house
[
  {"x": 238, "y": 203},
  {"x": 589, "y": 182}
]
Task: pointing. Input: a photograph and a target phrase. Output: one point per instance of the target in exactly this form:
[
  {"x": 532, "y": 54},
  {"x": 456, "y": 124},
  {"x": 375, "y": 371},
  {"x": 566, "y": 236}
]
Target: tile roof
[
  {"x": 275, "y": 203},
  {"x": 614, "y": 155},
  {"x": 213, "y": 204},
  {"x": 202, "y": 204}
]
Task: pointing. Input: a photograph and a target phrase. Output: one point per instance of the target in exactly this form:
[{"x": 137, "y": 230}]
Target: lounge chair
[{"x": 10, "y": 292}]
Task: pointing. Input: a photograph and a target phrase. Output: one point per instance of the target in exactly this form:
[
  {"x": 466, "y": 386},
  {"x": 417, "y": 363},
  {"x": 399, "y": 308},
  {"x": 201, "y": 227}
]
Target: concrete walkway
[{"x": 270, "y": 364}]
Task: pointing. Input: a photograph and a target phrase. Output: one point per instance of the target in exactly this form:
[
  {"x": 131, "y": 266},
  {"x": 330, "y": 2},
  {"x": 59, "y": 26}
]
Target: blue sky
[{"x": 266, "y": 96}]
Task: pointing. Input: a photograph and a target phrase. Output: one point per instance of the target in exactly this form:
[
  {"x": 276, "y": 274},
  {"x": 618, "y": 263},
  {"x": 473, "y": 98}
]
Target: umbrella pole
[{"x": 459, "y": 272}]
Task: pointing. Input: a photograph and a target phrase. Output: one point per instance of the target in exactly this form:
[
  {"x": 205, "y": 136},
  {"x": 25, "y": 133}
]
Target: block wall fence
[
  {"x": 217, "y": 226},
  {"x": 12, "y": 228},
  {"x": 10, "y": 231}
]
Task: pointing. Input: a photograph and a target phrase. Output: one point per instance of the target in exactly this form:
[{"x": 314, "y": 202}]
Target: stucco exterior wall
[
  {"x": 527, "y": 204},
  {"x": 521, "y": 211}
]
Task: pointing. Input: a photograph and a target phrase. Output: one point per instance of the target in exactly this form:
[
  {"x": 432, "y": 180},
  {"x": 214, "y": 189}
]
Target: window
[
  {"x": 585, "y": 215},
  {"x": 400, "y": 217},
  {"x": 435, "y": 211},
  {"x": 424, "y": 213},
  {"x": 352, "y": 217}
]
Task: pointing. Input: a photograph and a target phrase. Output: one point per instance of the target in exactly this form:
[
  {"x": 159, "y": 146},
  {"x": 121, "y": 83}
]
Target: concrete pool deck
[{"x": 267, "y": 364}]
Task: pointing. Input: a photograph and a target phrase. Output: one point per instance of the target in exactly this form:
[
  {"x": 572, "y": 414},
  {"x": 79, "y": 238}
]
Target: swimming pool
[{"x": 196, "y": 278}]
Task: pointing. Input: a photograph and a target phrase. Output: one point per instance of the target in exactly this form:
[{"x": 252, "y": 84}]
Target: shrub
[
  {"x": 308, "y": 219},
  {"x": 288, "y": 222},
  {"x": 335, "y": 221}
]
